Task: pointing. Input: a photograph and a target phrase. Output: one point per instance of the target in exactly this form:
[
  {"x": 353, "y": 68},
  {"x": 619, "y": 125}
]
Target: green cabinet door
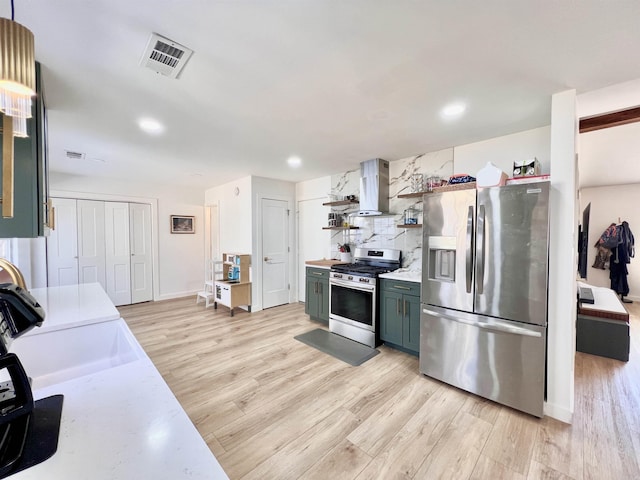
[
  {"x": 323, "y": 300},
  {"x": 317, "y": 294},
  {"x": 30, "y": 185},
  {"x": 411, "y": 327},
  {"x": 312, "y": 299},
  {"x": 400, "y": 314},
  {"x": 391, "y": 317}
]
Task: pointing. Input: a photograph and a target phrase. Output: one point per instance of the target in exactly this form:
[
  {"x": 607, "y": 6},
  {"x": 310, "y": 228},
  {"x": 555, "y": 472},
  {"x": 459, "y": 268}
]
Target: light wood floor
[{"x": 271, "y": 407}]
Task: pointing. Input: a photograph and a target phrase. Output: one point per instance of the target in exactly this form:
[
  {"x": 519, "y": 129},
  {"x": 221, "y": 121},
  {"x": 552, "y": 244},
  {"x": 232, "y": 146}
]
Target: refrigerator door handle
[
  {"x": 485, "y": 326},
  {"x": 480, "y": 257},
  {"x": 469, "y": 251}
]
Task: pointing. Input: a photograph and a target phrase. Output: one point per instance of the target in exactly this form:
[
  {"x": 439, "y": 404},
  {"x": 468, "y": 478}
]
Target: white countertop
[
  {"x": 73, "y": 305},
  {"x": 118, "y": 422},
  {"x": 405, "y": 275},
  {"x": 124, "y": 423}
]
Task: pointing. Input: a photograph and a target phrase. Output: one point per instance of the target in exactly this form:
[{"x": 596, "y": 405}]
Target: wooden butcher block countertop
[{"x": 323, "y": 263}]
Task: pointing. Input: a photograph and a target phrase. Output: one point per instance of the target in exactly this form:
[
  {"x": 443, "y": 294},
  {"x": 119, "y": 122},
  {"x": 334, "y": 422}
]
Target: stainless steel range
[{"x": 353, "y": 299}]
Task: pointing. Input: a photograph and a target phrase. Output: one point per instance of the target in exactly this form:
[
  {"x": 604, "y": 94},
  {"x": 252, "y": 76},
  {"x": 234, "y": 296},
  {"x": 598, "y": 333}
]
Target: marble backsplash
[{"x": 383, "y": 231}]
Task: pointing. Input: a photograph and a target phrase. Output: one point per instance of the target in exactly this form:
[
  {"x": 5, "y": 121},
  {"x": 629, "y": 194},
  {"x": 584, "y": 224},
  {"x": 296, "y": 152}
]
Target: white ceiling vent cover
[
  {"x": 165, "y": 56},
  {"x": 74, "y": 155}
]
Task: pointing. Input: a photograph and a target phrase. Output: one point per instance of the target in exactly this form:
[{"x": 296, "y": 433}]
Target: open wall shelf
[{"x": 340, "y": 203}]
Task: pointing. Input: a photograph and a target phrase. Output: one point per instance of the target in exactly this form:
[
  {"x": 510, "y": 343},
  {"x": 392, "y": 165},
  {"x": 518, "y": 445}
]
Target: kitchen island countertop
[
  {"x": 73, "y": 305},
  {"x": 121, "y": 422}
]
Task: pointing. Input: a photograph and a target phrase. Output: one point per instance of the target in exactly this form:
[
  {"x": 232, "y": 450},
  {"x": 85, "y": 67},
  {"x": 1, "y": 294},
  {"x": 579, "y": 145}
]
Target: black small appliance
[{"x": 28, "y": 430}]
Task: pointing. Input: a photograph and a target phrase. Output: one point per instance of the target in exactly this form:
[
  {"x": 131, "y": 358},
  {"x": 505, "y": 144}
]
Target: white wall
[
  {"x": 234, "y": 213},
  {"x": 311, "y": 240},
  {"x": 267, "y": 188},
  {"x": 503, "y": 151},
  {"x": 609, "y": 99},
  {"x": 239, "y": 208},
  {"x": 180, "y": 258},
  {"x": 609, "y": 205}
]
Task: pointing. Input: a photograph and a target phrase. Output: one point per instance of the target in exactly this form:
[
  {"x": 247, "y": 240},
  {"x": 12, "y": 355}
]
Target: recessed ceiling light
[
  {"x": 453, "y": 110},
  {"x": 150, "y": 126},
  {"x": 294, "y": 162}
]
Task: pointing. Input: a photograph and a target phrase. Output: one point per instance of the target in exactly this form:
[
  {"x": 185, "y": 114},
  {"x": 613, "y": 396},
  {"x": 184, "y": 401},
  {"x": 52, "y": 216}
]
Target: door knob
[{"x": 266, "y": 259}]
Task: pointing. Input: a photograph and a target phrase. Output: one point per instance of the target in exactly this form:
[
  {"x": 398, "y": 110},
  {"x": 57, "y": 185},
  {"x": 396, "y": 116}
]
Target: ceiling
[{"x": 332, "y": 82}]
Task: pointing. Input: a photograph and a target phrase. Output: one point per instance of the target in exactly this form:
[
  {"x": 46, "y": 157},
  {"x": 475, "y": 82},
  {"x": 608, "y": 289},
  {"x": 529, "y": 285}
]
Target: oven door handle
[{"x": 352, "y": 285}]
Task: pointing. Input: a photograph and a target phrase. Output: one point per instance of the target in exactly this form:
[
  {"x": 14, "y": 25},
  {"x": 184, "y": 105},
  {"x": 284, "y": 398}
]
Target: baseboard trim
[
  {"x": 172, "y": 296},
  {"x": 559, "y": 413}
]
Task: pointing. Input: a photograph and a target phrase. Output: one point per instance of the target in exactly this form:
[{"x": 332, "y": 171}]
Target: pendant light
[{"x": 17, "y": 87}]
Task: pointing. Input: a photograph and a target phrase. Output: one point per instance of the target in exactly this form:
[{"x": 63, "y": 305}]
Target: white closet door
[
  {"x": 118, "y": 260},
  {"x": 91, "y": 242},
  {"x": 62, "y": 245},
  {"x": 141, "y": 258}
]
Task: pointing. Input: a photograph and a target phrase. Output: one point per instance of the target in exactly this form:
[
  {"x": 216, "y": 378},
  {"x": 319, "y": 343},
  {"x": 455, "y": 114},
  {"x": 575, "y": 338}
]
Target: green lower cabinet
[
  {"x": 317, "y": 294},
  {"x": 400, "y": 315},
  {"x": 411, "y": 326},
  {"x": 391, "y": 320}
]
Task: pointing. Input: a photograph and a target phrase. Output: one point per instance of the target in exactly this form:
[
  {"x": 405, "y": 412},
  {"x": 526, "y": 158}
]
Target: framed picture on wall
[{"x": 183, "y": 224}]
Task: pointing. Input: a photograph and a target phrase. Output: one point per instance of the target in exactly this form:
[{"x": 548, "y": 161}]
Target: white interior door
[
  {"x": 275, "y": 247},
  {"x": 141, "y": 258},
  {"x": 118, "y": 256},
  {"x": 91, "y": 246},
  {"x": 313, "y": 242},
  {"x": 62, "y": 245}
]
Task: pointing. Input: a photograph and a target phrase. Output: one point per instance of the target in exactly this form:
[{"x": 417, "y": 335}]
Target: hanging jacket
[
  {"x": 610, "y": 238},
  {"x": 626, "y": 247}
]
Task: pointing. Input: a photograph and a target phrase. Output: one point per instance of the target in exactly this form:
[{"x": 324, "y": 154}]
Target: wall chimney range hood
[{"x": 374, "y": 187}]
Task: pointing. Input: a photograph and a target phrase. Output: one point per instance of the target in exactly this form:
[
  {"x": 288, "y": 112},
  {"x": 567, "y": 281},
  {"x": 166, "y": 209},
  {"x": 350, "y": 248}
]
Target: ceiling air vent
[
  {"x": 165, "y": 56},
  {"x": 75, "y": 155}
]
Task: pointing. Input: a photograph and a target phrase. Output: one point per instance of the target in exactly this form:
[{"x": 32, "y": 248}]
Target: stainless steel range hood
[{"x": 374, "y": 187}]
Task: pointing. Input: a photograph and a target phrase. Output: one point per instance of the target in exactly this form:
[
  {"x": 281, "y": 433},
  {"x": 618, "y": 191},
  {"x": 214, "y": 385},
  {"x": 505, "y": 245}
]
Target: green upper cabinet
[{"x": 31, "y": 189}]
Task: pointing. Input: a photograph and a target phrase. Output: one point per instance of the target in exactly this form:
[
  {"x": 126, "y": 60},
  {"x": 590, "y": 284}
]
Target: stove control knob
[
  {"x": 337, "y": 275},
  {"x": 350, "y": 277},
  {"x": 365, "y": 280}
]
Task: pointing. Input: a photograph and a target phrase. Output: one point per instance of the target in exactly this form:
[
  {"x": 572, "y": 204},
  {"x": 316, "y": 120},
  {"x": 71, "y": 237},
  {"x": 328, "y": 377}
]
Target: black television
[{"x": 583, "y": 242}]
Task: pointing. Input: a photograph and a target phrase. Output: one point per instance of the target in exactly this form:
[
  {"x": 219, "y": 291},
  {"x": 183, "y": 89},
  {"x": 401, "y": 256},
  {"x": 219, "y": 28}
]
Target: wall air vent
[{"x": 165, "y": 56}]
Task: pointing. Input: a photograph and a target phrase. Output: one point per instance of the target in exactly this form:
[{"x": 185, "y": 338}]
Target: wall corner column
[{"x": 561, "y": 337}]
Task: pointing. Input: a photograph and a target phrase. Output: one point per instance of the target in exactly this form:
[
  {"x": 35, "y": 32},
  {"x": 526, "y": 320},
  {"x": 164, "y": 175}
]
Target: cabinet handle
[
  {"x": 7, "y": 166},
  {"x": 51, "y": 214},
  {"x": 401, "y": 287},
  {"x": 398, "y": 306},
  {"x": 404, "y": 308},
  {"x": 315, "y": 287}
]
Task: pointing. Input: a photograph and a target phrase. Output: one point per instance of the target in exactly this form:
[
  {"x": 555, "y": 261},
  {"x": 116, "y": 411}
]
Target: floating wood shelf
[
  {"x": 340, "y": 203},
  {"x": 412, "y": 195},
  {"x": 410, "y": 225},
  {"x": 341, "y": 228},
  {"x": 445, "y": 188}
]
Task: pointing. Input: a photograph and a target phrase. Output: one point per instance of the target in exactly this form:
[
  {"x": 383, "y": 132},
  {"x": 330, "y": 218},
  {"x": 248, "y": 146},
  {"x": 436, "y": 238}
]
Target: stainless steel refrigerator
[{"x": 483, "y": 323}]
